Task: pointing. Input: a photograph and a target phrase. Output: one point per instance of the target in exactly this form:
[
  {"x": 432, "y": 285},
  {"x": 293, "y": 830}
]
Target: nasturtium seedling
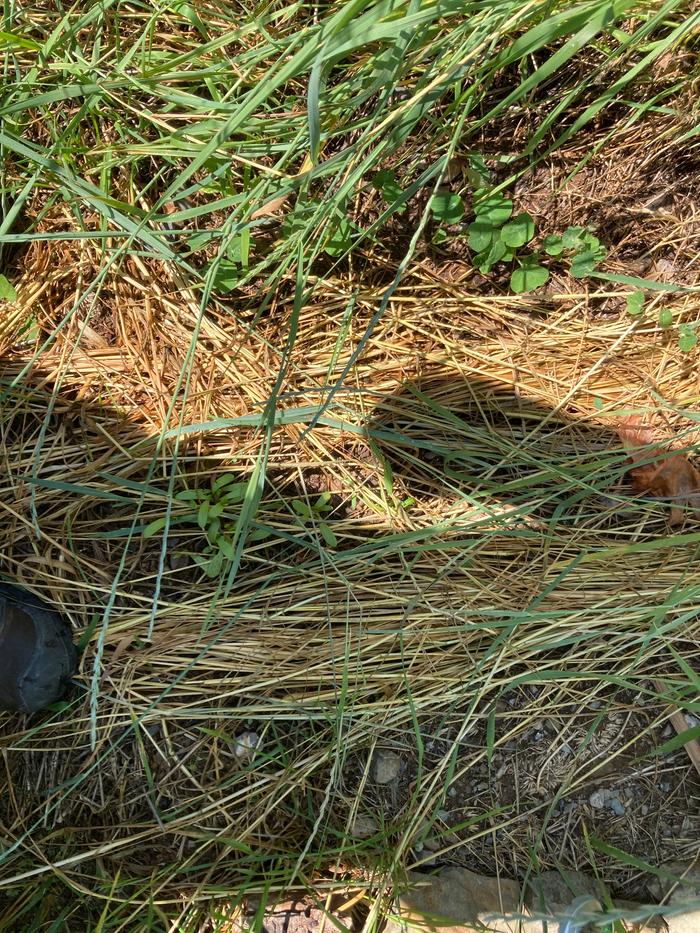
[
  {"x": 487, "y": 259},
  {"x": 635, "y": 303},
  {"x": 491, "y": 237},
  {"x": 572, "y": 238},
  {"x": 447, "y": 207},
  {"x": 477, "y": 171},
  {"x": 496, "y": 236}
]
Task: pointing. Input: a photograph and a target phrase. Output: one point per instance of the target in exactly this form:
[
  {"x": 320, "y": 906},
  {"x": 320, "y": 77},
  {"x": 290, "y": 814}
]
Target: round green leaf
[
  {"x": 686, "y": 342},
  {"x": 528, "y": 277},
  {"x": 385, "y": 181},
  {"x": 583, "y": 264},
  {"x": 496, "y": 253},
  {"x": 480, "y": 235},
  {"x": 487, "y": 259},
  {"x": 687, "y": 338},
  {"x": 519, "y": 231},
  {"x": 635, "y": 303},
  {"x": 477, "y": 171},
  {"x": 573, "y": 237},
  {"x": 592, "y": 242},
  {"x": 447, "y": 207},
  {"x": 495, "y": 209},
  {"x": 665, "y": 318},
  {"x": 553, "y": 245}
]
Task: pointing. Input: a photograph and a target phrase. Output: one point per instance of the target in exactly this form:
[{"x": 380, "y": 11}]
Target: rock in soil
[
  {"x": 458, "y": 901},
  {"x": 364, "y": 826},
  {"x": 687, "y": 892},
  {"x": 296, "y": 916},
  {"x": 37, "y": 654},
  {"x": 552, "y": 891},
  {"x": 385, "y": 766}
]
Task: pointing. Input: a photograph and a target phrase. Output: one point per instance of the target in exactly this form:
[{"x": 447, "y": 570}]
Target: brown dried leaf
[{"x": 671, "y": 477}]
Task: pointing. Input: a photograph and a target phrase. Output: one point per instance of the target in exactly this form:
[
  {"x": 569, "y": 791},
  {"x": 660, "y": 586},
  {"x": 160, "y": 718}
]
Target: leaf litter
[{"x": 670, "y": 477}]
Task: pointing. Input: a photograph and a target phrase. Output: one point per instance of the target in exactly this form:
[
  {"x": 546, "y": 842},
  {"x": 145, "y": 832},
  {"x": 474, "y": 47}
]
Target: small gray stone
[
  {"x": 245, "y": 745},
  {"x": 607, "y": 799},
  {"x": 364, "y": 826},
  {"x": 617, "y": 807},
  {"x": 385, "y": 766}
]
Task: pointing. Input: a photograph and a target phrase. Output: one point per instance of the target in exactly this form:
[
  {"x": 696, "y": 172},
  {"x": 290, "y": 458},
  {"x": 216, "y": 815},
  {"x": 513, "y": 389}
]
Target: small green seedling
[
  {"x": 315, "y": 514},
  {"x": 233, "y": 267},
  {"x": 339, "y": 232},
  {"x": 496, "y": 236},
  {"x": 529, "y": 275},
  {"x": 687, "y": 338},
  {"x": 447, "y": 208},
  {"x": 580, "y": 247},
  {"x": 216, "y": 511},
  {"x": 477, "y": 172},
  {"x": 635, "y": 303},
  {"x": 665, "y": 318},
  {"x": 387, "y": 184}
]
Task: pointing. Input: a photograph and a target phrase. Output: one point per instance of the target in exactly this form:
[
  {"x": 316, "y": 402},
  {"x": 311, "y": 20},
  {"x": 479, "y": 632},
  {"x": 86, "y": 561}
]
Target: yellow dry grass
[{"x": 434, "y": 606}]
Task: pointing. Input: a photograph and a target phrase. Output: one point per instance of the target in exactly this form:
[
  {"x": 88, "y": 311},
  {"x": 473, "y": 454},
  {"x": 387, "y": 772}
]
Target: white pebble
[
  {"x": 246, "y": 744},
  {"x": 385, "y": 766}
]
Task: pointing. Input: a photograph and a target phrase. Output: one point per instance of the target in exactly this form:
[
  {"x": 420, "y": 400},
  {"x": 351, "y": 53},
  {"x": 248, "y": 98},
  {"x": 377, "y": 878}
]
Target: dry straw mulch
[{"x": 488, "y": 550}]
